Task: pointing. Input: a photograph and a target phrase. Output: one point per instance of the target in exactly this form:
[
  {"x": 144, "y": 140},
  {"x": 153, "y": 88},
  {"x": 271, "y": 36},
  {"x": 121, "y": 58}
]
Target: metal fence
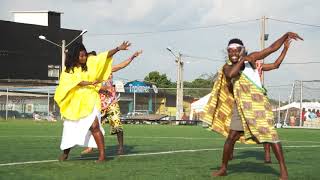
[
  {"x": 292, "y": 101},
  {"x": 28, "y": 102},
  {"x": 22, "y": 102}
]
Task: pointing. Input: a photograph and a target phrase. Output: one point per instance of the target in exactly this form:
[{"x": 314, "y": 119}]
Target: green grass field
[{"x": 152, "y": 152}]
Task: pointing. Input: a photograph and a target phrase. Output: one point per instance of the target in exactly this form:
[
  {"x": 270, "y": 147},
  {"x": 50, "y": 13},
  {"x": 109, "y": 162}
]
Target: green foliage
[
  {"x": 160, "y": 80},
  {"x": 199, "y": 83}
]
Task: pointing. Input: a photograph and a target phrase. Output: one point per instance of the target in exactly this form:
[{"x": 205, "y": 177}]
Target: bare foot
[
  {"x": 63, "y": 157},
  {"x": 283, "y": 175},
  {"x": 283, "y": 178},
  {"x": 120, "y": 151},
  {"x": 221, "y": 172},
  {"x": 100, "y": 160},
  {"x": 87, "y": 151},
  {"x": 267, "y": 159}
]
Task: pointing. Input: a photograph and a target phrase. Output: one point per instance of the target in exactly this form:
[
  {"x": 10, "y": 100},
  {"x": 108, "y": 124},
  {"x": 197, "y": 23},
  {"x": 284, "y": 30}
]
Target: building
[
  {"x": 25, "y": 59},
  {"x": 29, "y": 65},
  {"x": 146, "y": 98}
]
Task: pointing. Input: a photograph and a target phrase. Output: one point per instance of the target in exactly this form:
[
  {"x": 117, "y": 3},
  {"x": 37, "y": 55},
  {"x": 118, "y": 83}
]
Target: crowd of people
[{"x": 310, "y": 114}]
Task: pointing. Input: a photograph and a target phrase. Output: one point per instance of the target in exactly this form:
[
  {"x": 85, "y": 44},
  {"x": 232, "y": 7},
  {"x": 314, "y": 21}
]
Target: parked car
[
  {"x": 26, "y": 115},
  {"x": 11, "y": 114}
]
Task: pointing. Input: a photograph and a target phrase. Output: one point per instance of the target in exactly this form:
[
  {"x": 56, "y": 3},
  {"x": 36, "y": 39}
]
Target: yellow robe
[
  {"x": 253, "y": 107},
  {"x": 76, "y": 102}
]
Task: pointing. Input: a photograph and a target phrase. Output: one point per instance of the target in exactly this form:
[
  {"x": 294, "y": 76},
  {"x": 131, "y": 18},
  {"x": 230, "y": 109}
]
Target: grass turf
[{"x": 24, "y": 141}]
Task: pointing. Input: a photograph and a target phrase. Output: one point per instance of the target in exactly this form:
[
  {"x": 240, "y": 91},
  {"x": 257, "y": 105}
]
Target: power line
[
  {"x": 215, "y": 60},
  {"x": 281, "y": 85},
  {"x": 202, "y": 58},
  {"x": 306, "y": 87},
  {"x": 314, "y": 62},
  {"x": 297, "y": 23},
  {"x": 173, "y": 30}
]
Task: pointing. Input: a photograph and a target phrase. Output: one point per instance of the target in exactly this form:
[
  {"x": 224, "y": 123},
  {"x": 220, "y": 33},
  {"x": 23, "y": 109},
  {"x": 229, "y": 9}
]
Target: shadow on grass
[
  {"x": 110, "y": 151},
  {"x": 252, "y": 167},
  {"x": 249, "y": 167},
  {"x": 259, "y": 155}
]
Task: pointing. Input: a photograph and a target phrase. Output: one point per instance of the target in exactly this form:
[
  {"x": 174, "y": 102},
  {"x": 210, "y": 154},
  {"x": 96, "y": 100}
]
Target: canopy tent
[
  {"x": 198, "y": 106},
  {"x": 306, "y": 105}
]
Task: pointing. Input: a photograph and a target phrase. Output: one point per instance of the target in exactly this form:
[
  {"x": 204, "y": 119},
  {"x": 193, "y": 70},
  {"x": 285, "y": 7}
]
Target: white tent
[
  {"x": 306, "y": 105},
  {"x": 198, "y": 106}
]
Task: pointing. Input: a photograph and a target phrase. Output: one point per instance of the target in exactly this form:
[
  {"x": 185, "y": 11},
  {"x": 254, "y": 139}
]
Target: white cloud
[{"x": 118, "y": 16}]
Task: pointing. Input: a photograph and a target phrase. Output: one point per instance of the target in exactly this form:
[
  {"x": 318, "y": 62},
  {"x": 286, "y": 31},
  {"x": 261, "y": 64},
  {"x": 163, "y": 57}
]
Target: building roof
[{"x": 40, "y": 11}]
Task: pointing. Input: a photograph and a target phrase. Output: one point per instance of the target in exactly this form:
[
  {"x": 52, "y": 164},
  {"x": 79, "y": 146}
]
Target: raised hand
[
  {"x": 295, "y": 36},
  {"x": 287, "y": 43},
  {"x": 136, "y": 54},
  {"x": 124, "y": 46}
]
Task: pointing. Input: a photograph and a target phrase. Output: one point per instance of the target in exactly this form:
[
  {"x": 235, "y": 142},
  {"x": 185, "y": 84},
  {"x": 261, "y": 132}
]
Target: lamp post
[
  {"x": 179, "y": 102},
  {"x": 63, "y": 46}
]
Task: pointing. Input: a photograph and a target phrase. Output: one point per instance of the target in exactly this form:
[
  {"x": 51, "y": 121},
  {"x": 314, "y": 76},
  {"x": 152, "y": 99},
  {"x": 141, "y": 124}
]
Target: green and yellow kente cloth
[
  {"x": 111, "y": 115},
  {"x": 253, "y": 107}
]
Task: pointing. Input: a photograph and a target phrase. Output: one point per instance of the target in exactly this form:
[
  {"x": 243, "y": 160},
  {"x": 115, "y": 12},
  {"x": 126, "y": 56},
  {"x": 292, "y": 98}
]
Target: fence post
[
  {"x": 301, "y": 87},
  {"x": 279, "y": 115},
  {"x": 48, "y": 102},
  {"x": 7, "y": 103},
  {"x": 134, "y": 100}
]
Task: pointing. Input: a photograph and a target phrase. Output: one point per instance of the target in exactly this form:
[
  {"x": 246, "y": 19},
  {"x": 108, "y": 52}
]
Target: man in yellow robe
[{"x": 239, "y": 109}]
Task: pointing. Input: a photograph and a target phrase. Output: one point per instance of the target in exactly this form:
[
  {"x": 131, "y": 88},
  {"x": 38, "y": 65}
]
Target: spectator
[
  {"x": 313, "y": 115},
  {"x": 318, "y": 113},
  {"x": 303, "y": 114},
  {"x": 307, "y": 115}
]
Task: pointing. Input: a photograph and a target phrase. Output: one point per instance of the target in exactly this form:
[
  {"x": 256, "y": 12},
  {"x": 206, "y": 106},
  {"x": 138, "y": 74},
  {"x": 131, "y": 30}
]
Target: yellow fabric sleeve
[{"x": 75, "y": 101}]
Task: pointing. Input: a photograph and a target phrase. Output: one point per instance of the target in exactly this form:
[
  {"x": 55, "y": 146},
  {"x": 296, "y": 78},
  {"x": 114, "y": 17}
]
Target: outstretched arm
[
  {"x": 87, "y": 83},
  {"x": 126, "y": 62},
  {"x": 276, "y": 64},
  {"x": 233, "y": 71},
  {"x": 124, "y": 46},
  {"x": 272, "y": 48}
]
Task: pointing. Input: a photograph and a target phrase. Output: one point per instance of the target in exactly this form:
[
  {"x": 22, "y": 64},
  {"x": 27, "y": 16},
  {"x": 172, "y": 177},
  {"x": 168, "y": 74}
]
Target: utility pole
[
  {"x": 263, "y": 38},
  {"x": 301, "y": 96},
  {"x": 63, "y": 57},
  {"x": 179, "y": 102},
  {"x": 179, "y": 96}
]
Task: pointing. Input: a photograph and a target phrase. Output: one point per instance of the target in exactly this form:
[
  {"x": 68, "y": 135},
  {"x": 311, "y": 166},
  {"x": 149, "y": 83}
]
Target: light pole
[
  {"x": 63, "y": 46},
  {"x": 179, "y": 102},
  {"x": 263, "y": 38}
]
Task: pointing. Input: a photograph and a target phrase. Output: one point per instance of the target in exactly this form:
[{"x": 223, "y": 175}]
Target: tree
[
  {"x": 204, "y": 81},
  {"x": 204, "y": 87},
  {"x": 199, "y": 83},
  {"x": 160, "y": 80}
]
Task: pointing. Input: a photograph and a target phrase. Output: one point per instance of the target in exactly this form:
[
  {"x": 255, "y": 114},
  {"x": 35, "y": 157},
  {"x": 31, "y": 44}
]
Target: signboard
[
  {"x": 119, "y": 86},
  {"x": 155, "y": 89},
  {"x": 137, "y": 87}
]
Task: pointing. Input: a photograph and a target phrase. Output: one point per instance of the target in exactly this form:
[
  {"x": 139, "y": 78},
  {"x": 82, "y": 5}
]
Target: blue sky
[{"x": 127, "y": 16}]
